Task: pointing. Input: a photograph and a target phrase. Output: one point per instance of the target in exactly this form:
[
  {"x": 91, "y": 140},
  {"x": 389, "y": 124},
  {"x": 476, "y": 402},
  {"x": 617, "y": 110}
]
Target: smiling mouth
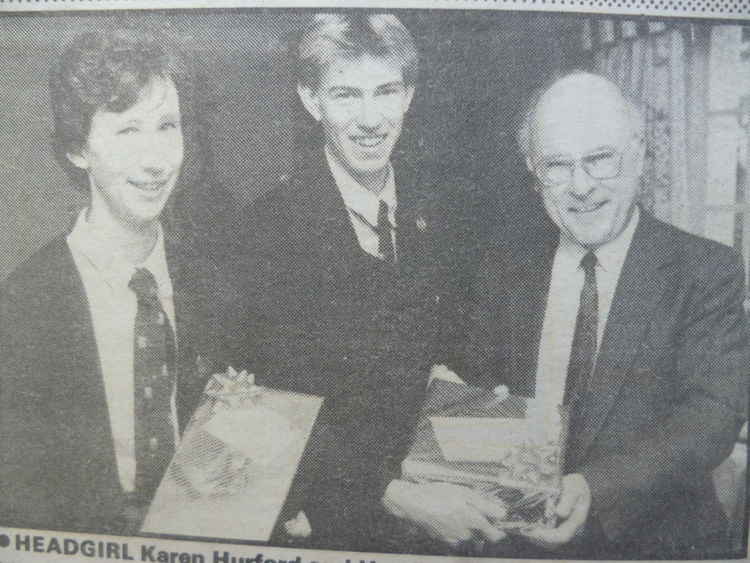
[
  {"x": 591, "y": 208},
  {"x": 150, "y": 187},
  {"x": 368, "y": 141}
]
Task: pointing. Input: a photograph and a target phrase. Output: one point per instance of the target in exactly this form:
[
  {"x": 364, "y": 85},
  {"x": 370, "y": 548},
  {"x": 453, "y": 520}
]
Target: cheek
[
  {"x": 336, "y": 119},
  {"x": 396, "y": 122},
  {"x": 554, "y": 200},
  {"x": 395, "y": 113},
  {"x": 177, "y": 152},
  {"x": 108, "y": 167},
  {"x": 624, "y": 193},
  {"x": 110, "y": 159}
]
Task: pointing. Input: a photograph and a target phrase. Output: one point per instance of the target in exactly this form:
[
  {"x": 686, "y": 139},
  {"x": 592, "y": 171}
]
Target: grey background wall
[{"x": 477, "y": 70}]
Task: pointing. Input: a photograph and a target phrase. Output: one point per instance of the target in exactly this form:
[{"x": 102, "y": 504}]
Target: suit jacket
[
  {"x": 669, "y": 390},
  {"x": 344, "y": 325},
  {"x": 57, "y": 459}
]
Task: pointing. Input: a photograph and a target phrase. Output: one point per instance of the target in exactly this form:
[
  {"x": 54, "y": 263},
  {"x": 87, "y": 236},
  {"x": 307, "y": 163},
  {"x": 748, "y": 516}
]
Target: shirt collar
[
  {"x": 107, "y": 259},
  {"x": 609, "y": 255},
  {"x": 358, "y": 198}
]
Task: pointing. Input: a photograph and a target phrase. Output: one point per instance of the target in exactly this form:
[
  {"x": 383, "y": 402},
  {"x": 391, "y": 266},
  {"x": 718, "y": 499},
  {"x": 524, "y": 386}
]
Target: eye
[
  {"x": 600, "y": 157},
  {"x": 168, "y": 125},
  {"x": 127, "y": 130},
  {"x": 389, "y": 91},
  {"x": 343, "y": 94},
  {"x": 557, "y": 163}
]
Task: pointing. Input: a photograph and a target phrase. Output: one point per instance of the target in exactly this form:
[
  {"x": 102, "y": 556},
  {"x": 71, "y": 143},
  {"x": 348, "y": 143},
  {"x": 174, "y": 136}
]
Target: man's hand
[
  {"x": 450, "y": 513},
  {"x": 572, "y": 508}
]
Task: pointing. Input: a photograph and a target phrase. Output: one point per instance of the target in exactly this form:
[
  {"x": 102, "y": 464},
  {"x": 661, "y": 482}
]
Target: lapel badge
[
  {"x": 421, "y": 224},
  {"x": 202, "y": 366}
]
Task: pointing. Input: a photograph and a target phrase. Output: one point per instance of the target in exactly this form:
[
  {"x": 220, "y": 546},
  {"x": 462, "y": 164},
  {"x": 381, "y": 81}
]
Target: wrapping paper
[
  {"x": 507, "y": 447},
  {"x": 233, "y": 468}
]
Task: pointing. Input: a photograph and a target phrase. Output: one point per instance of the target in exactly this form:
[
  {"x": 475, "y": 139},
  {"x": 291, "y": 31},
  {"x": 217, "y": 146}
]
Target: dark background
[{"x": 477, "y": 70}]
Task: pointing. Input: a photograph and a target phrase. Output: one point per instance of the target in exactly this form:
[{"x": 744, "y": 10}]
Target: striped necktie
[
  {"x": 582, "y": 354},
  {"x": 383, "y": 230},
  {"x": 154, "y": 378}
]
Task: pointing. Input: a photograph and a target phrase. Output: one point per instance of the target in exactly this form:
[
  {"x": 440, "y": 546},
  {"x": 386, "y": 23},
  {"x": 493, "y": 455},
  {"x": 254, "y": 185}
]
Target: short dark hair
[
  {"x": 108, "y": 70},
  {"x": 351, "y": 35}
]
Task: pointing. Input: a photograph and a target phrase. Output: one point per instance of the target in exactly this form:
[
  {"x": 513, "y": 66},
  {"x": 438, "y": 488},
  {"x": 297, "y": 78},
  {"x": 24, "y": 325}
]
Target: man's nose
[
  {"x": 370, "y": 114},
  {"x": 581, "y": 183}
]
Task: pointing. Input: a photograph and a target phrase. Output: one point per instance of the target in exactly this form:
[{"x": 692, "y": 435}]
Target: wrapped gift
[
  {"x": 233, "y": 468},
  {"x": 507, "y": 447}
]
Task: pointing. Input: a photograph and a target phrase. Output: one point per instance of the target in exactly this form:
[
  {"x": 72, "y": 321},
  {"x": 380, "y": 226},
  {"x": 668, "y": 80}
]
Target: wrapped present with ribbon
[
  {"x": 233, "y": 468},
  {"x": 507, "y": 447}
]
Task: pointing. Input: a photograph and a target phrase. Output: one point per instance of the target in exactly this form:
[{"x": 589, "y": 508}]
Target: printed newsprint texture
[{"x": 398, "y": 225}]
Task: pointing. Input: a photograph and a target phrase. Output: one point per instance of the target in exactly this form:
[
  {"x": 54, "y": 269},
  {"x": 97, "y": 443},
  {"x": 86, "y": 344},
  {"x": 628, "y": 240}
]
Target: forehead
[
  {"x": 365, "y": 72},
  {"x": 158, "y": 97},
  {"x": 577, "y": 122}
]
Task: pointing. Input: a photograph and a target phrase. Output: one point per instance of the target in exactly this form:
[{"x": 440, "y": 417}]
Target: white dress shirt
[
  {"x": 561, "y": 312},
  {"x": 365, "y": 203},
  {"x": 113, "y": 305}
]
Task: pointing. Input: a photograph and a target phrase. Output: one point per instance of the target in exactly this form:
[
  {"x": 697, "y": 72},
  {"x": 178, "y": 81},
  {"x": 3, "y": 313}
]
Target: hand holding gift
[
  {"x": 494, "y": 455},
  {"x": 572, "y": 510},
  {"x": 449, "y": 513}
]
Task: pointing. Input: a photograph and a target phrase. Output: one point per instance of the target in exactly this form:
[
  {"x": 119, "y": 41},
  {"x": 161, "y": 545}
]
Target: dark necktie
[
  {"x": 154, "y": 376},
  {"x": 383, "y": 230},
  {"x": 582, "y": 352}
]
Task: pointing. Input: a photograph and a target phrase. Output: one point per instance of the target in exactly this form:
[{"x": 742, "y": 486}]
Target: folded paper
[{"x": 475, "y": 439}]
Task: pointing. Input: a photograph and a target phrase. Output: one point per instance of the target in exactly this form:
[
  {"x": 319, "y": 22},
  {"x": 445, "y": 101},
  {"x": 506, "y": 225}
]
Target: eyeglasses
[{"x": 602, "y": 164}]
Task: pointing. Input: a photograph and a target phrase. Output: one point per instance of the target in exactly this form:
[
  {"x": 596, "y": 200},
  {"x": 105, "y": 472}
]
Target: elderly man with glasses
[{"x": 635, "y": 325}]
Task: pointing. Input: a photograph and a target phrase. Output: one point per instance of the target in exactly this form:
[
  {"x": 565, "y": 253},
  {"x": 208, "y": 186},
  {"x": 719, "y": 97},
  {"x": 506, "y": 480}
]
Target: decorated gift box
[
  {"x": 234, "y": 466},
  {"x": 509, "y": 448}
]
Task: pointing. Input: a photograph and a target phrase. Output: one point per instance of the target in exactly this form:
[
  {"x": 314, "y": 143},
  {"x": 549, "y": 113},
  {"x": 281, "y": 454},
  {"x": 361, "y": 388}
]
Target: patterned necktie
[
  {"x": 383, "y": 230},
  {"x": 582, "y": 352},
  {"x": 154, "y": 376}
]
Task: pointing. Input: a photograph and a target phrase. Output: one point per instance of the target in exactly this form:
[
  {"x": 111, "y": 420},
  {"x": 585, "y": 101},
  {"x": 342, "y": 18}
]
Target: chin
[
  {"x": 144, "y": 219},
  {"x": 584, "y": 238}
]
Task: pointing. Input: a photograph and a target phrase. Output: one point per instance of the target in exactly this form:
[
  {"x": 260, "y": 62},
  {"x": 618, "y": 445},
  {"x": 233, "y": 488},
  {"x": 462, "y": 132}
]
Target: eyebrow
[
  {"x": 342, "y": 87},
  {"x": 556, "y": 155},
  {"x": 397, "y": 83},
  {"x": 131, "y": 121},
  {"x": 394, "y": 84},
  {"x": 600, "y": 148}
]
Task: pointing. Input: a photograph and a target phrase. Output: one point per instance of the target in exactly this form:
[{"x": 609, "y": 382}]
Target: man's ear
[
  {"x": 529, "y": 164},
  {"x": 530, "y": 167},
  {"x": 309, "y": 100},
  {"x": 409, "y": 96},
  {"x": 639, "y": 157},
  {"x": 78, "y": 160}
]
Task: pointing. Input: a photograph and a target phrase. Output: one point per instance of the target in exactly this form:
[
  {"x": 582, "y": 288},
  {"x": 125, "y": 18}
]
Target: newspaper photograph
[{"x": 369, "y": 282}]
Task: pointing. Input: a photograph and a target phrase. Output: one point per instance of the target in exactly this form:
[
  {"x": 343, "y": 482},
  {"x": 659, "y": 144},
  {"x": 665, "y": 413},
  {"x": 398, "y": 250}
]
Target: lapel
[
  {"x": 76, "y": 348},
  {"x": 193, "y": 319},
  {"x": 531, "y": 271},
  {"x": 640, "y": 288},
  {"x": 324, "y": 224},
  {"x": 510, "y": 300},
  {"x": 316, "y": 204},
  {"x": 412, "y": 220}
]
